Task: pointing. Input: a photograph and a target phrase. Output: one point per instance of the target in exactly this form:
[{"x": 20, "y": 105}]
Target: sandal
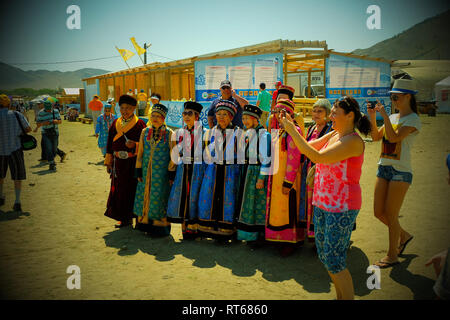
[
  {"x": 402, "y": 246},
  {"x": 386, "y": 264}
]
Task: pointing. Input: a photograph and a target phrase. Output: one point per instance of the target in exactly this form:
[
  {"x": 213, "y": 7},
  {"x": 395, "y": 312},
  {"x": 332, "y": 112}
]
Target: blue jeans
[
  {"x": 50, "y": 147},
  {"x": 390, "y": 174},
  {"x": 333, "y": 231}
]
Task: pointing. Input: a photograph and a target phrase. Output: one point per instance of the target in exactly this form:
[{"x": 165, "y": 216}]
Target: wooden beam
[
  {"x": 169, "y": 85},
  {"x": 309, "y": 84},
  {"x": 305, "y": 51},
  {"x": 305, "y": 71},
  {"x": 361, "y": 57},
  {"x": 318, "y": 57},
  {"x": 285, "y": 67},
  {"x": 306, "y": 62},
  {"x": 236, "y": 55}
]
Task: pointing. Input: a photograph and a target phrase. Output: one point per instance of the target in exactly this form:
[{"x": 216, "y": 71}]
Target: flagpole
[
  {"x": 145, "y": 54},
  {"x": 123, "y": 58},
  {"x": 137, "y": 51}
]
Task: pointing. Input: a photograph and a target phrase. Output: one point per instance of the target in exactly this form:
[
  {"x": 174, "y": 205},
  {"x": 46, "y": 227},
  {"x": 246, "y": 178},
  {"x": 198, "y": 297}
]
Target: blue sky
[{"x": 35, "y": 31}]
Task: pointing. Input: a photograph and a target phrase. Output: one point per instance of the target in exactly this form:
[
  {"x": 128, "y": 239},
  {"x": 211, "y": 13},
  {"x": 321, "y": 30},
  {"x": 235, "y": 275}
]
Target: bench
[{"x": 304, "y": 105}]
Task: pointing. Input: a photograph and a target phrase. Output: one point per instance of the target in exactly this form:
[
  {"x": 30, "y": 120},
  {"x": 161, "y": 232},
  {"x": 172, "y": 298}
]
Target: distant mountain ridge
[
  {"x": 427, "y": 40},
  {"x": 12, "y": 77}
]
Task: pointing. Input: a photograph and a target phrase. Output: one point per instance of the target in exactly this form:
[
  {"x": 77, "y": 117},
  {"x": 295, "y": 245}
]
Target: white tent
[{"x": 442, "y": 94}]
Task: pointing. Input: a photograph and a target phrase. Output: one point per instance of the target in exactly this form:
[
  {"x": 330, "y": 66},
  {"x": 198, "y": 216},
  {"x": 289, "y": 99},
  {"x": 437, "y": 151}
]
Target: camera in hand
[{"x": 371, "y": 104}]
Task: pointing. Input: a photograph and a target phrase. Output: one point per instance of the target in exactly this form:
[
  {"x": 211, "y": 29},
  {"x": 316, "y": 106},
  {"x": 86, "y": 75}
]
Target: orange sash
[{"x": 121, "y": 130}]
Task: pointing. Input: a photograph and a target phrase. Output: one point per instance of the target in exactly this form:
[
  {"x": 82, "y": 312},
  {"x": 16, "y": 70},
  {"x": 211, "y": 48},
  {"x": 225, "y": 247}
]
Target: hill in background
[
  {"x": 428, "y": 40},
  {"x": 12, "y": 77}
]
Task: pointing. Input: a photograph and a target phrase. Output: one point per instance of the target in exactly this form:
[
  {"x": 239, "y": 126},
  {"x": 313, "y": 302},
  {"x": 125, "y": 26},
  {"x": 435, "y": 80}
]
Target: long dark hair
[{"x": 361, "y": 121}]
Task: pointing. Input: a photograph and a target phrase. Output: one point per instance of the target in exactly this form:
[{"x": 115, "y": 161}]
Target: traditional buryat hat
[
  {"x": 287, "y": 90},
  {"x": 192, "y": 105},
  {"x": 107, "y": 106},
  {"x": 227, "y": 105},
  {"x": 125, "y": 98},
  {"x": 160, "y": 108},
  {"x": 404, "y": 86},
  {"x": 287, "y": 105},
  {"x": 252, "y": 110}
]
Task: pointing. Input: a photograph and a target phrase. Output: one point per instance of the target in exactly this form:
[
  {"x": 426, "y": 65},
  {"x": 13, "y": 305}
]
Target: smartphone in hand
[{"x": 371, "y": 104}]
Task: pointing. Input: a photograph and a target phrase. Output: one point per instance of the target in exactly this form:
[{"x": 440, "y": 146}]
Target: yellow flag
[
  {"x": 139, "y": 50},
  {"x": 126, "y": 54}
]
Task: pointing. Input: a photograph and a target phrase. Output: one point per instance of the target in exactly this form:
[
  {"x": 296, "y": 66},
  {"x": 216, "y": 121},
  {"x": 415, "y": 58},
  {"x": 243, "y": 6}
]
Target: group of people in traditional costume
[{"x": 225, "y": 183}]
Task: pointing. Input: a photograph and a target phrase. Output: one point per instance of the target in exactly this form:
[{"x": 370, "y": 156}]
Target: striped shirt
[
  {"x": 10, "y": 131},
  {"x": 44, "y": 116}
]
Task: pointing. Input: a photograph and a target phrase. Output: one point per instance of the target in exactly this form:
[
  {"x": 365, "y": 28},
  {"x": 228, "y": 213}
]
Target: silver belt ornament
[{"x": 122, "y": 154}]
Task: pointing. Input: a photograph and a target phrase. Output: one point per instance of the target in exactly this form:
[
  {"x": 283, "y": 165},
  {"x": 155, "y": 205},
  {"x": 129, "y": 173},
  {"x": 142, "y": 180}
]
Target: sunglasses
[
  {"x": 395, "y": 97},
  {"x": 343, "y": 99},
  {"x": 226, "y": 88},
  {"x": 188, "y": 113}
]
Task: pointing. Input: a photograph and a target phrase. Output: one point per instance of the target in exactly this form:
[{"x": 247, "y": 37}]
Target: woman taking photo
[
  {"x": 394, "y": 174},
  {"x": 320, "y": 115},
  {"x": 339, "y": 156}
]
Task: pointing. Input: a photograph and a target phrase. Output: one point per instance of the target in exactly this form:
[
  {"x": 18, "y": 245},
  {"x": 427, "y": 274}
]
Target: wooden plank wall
[
  {"x": 158, "y": 84},
  {"x": 103, "y": 89},
  {"x": 110, "y": 83},
  {"x": 118, "y": 87},
  {"x": 129, "y": 83},
  {"x": 142, "y": 82},
  {"x": 180, "y": 86}
]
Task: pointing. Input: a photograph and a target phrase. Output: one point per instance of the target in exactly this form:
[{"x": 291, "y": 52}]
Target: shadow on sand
[
  {"x": 43, "y": 172},
  {"x": 303, "y": 266},
  {"x": 421, "y": 287},
  {"x": 12, "y": 215}
]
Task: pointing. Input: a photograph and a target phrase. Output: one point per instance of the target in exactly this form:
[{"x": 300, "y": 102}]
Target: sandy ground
[{"x": 63, "y": 224}]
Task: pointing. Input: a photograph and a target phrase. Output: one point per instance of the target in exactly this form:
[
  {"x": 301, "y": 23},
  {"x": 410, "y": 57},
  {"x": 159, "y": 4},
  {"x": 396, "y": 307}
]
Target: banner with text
[
  {"x": 362, "y": 79},
  {"x": 244, "y": 73}
]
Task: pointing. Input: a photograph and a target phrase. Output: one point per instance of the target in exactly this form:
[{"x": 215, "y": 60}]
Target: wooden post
[
  {"x": 181, "y": 85},
  {"x": 145, "y": 54},
  {"x": 169, "y": 85},
  {"x": 309, "y": 84},
  {"x": 285, "y": 68},
  {"x": 325, "y": 71},
  {"x": 324, "y": 78}
]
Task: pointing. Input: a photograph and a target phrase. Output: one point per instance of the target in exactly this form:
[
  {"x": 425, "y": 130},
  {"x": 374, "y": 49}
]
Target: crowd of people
[
  {"x": 255, "y": 175},
  {"x": 238, "y": 181}
]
